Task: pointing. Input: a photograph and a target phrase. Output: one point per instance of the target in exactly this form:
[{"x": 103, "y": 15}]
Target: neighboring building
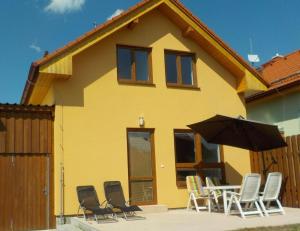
[
  {"x": 279, "y": 105},
  {"x": 124, "y": 93}
]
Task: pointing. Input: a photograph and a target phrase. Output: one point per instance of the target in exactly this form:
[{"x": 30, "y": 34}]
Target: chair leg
[
  {"x": 216, "y": 201},
  {"x": 258, "y": 209},
  {"x": 189, "y": 202},
  {"x": 209, "y": 204},
  {"x": 195, "y": 203},
  {"x": 280, "y": 207},
  {"x": 96, "y": 218},
  {"x": 262, "y": 205},
  {"x": 125, "y": 216},
  {"x": 229, "y": 206},
  {"x": 239, "y": 207}
]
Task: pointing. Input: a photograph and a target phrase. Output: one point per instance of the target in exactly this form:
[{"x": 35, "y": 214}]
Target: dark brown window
[
  {"x": 194, "y": 156},
  {"x": 180, "y": 69},
  {"x": 134, "y": 64}
]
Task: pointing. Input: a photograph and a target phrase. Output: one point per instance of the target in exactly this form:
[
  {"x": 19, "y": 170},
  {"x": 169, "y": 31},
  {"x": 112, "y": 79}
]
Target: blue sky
[{"x": 29, "y": 27}]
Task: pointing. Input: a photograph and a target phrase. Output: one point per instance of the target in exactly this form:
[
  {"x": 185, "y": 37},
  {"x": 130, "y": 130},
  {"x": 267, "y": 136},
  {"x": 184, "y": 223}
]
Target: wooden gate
[
  {"x": 26, "y": 167},
  {"x": 284, "y": 160}
]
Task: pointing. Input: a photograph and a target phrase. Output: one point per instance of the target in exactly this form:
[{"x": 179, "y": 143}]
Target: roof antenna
[
  {"x": 252, "y": 58},
  {"x": 95, "y": 24}
]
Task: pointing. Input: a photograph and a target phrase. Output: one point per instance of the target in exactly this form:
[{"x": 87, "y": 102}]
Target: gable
[{"x": 59, "y": 64}]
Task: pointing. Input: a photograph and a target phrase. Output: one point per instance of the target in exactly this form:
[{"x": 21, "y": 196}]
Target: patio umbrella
[{"x": 239, "y": 132}]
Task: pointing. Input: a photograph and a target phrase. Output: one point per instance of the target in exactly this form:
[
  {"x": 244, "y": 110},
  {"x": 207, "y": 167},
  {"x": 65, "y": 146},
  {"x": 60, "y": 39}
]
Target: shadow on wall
[{"x": 233, "y": 177}]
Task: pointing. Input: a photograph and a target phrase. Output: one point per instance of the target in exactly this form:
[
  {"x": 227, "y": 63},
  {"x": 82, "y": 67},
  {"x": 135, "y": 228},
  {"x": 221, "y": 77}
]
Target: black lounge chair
[
  {"x": 88, "y": 201},
  {"x": 115, "y": 198}
]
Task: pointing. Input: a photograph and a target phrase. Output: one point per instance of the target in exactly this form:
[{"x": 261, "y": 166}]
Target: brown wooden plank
[
  {"x": 19, "y": 133},
  {"x": 35, "y": 135},
  {"x": 279, "y": 155},
  {"x": 255, "y": 162},
  {"x": 10, "y": 133},
  {"x": 43, "y": 146},
  {"x": 27, "y": 134},
  {"x": 2, "y": 132},
  {"x": 288, "y": 196},
  {"x": 6, "y": 196},
  {"x": 260, "y": 157},
  {"x": 275, "y": 156},
  {"x": 50, "y": 140},
  {"x": 296, "y": 151},
  {"x": 291, "y": 171}
]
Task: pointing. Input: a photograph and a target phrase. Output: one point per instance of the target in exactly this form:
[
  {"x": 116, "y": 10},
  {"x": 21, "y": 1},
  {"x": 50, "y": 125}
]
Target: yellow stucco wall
[{"x": 93, "y": 112}]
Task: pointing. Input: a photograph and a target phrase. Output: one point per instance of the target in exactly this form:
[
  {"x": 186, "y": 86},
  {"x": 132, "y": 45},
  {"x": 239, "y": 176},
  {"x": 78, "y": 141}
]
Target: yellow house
[{"x": 124, "y": 93}]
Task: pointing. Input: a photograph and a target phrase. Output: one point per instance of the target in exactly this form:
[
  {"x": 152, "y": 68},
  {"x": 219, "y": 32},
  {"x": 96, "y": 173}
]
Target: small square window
[
  {"x": 180, "y": 69},
  {"x": 134, "y": 64}
]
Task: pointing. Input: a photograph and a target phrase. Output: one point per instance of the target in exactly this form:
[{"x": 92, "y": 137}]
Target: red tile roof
[
  {"x": 33, "y": 73},
  {"x": 281, "y": 72},
  {"x": 281, "y": 67}
]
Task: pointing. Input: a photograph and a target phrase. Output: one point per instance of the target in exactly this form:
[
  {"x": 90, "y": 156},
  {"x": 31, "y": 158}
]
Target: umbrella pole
[{"x": 264, "y": 166}]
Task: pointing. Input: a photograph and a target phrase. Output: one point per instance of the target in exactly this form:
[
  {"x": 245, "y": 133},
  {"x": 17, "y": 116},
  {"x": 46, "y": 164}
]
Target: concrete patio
[{"x": 181, "y": 219}]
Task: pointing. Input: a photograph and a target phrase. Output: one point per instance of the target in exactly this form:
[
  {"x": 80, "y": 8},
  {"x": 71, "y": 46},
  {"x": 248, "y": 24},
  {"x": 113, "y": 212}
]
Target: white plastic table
[{"x": 224, "y": 189}]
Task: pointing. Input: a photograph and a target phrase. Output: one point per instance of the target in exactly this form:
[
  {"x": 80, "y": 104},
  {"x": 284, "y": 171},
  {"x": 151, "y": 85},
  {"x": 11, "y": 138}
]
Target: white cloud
[
  {"x": 116, "y": 13},
  {"x": 35, "y": 48},
  {"x": 64, "y": 6}
]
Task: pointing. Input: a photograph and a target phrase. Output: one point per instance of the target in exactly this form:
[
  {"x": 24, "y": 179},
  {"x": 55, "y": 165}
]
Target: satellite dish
[{"x": 253, "y": 58}]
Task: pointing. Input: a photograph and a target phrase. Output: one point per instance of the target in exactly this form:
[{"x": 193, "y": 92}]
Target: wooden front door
[
  {"x": 141, "y": 166},
  {"x": 24, "y": 192}
]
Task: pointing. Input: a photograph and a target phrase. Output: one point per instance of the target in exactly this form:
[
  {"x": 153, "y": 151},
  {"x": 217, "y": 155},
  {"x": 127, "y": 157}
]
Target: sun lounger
[
  {"x": 88, "y": 201},
  {"x": 115, "y": 198}
]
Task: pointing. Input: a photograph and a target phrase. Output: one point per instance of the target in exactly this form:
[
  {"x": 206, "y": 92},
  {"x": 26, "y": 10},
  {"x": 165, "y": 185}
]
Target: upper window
[
  {"x": 134, "y": 64},
  {"x": 180, "y": 69}
]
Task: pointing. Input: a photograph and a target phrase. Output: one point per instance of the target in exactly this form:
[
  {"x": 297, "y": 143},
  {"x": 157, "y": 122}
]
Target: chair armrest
[{"x": 230, "y": 193}]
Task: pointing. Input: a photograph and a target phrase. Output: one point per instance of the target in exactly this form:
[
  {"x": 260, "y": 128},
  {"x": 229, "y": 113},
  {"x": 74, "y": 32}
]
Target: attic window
[
  {"x": 134, "y": 64},
  {"x": 180, "y": 69}
]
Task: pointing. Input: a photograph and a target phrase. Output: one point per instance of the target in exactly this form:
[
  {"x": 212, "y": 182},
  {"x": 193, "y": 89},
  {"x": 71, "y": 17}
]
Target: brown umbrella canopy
[{"x": 239, "y": 132}]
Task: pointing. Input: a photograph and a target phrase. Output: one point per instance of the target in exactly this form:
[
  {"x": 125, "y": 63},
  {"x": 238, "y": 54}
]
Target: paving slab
[{"x": 179, "y": 220}]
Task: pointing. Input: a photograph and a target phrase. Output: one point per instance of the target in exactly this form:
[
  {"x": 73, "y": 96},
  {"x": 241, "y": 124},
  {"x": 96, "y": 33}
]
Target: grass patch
[{"x": 295, "y": 227}]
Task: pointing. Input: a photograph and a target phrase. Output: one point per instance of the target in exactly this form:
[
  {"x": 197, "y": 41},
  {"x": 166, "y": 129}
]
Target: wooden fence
[
  {"x": 285, "y": 160},
  {"x": 26, "y": 167}
]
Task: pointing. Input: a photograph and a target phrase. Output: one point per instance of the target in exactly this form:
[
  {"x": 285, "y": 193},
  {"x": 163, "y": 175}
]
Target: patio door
[{"x": 141, "y": 166}]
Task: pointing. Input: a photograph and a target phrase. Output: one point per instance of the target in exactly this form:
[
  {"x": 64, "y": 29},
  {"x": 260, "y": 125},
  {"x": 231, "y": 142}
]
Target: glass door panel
[{"x": 141, "y": 166}]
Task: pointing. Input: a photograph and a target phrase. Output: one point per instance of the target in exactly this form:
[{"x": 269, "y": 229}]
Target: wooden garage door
[{"x": 24, "y": 184}]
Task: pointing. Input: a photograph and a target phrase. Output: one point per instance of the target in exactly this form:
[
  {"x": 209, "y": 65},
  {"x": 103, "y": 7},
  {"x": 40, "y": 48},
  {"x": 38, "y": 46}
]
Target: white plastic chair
[
  {"x": 196, "y": 191},
  {"x": 271, "y": 193},
  {"x": 247, "y": 195},
  {"x": 216, "y": 194}
]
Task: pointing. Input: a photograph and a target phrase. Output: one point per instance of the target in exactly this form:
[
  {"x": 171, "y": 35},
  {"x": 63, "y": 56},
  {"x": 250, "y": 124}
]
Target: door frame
[{"x": 153, "y": 162}]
